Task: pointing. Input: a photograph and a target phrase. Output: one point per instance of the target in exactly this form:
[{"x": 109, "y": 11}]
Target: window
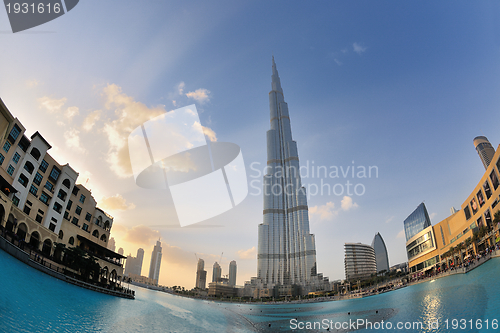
[
  {"x": 75, "y": 190},
  {"x": 43, "y": 166},
  {"x": 40, "y": 211},
  {"x": 78, "y": 210},
  {"x": 57, "y": 207},
  {"x": 16, "y": 157},
  {"x": 494, "y": 204},
  {"x": 85, "y": 227},
  {"x": 29, "y": 167},
  {"x": 14, "y": 133},
  {"x": 66, "y": 215},
  {"x": 54, "y": 174},
  {"x": 39, "y": 218},
  {"x": 467, "y": 212},
  {"x": 24, "y": 143},
  {"x": 35, "y": 153},
  {"x": 26, "y": 210},
  {"x": 494, "y": 179},
  {"x": 82, "y": 198},
  {"x": 68, "y": 206},
  {"x": 33, "y": 190},
  {"x": 2, "y": 158},
  {"x": 38, "y": 178},
  {"x": 71, "y": 241},
  {"x": 29, "y": 203},
  {"x": 88, "y": 217},
  {"x": 474, "y": 206},
  {"x": 15, "y": 200},
  {"x": 95, "y": 233},
  {"x": 61, "y": 195},
  {"x": 44, "y": 198},
  {"x": 6, "y": 146},
  {"x": 61, "y": 234},
  {"x": 66, "y": 183},
  {"x": 23, "y": 180},
  {"x": 480, "y": 198},
  {"x": 10, "y": 170},
  {"x": 52, "y": 227},
  {"x": 74, "y": 221},
  {"x": 487, "y": 189},
  {"x": 49, "y": 186}
]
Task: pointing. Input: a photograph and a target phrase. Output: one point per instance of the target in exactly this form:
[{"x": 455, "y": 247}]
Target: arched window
[
  {"x": 103, "y": 238},
  {"x": 61, "y": 234},
  {"x": 47, "y": 247},
  {"x": 106, "y": 225},
  {"x": 71, "y": 241},
  {"x": 35, "y": 153},
  {"x": 95, "y": 233},
  {"x": 35, "y": 240},
  {"x": 66, "y": 183},
  {"x": 29, "y": 167}
]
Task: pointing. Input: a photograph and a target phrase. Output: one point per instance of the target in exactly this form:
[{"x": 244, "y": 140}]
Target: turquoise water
[{"x": 31, "y": 301}]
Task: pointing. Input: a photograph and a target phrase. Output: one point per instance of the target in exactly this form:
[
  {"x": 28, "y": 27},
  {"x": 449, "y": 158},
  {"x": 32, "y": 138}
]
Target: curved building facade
[
  {"x": 360, "y": 261},
  {"x": 381, "y": 255}
]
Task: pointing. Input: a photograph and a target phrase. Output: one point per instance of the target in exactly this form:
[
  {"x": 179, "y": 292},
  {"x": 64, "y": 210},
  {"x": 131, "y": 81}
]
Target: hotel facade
[
  {"x": 41, "y": 204},
  {"x": 428, "y": 246}
]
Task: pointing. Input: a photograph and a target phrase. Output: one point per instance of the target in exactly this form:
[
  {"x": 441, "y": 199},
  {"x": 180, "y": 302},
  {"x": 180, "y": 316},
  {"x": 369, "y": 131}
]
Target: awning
[
  {"x": 5, "y": 186},
  {"x": 107, "y": 252}
]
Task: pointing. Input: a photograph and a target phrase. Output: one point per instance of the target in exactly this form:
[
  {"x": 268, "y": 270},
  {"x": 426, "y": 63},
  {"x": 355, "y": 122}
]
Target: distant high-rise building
[
  {"x": 286, "y": 249},
  {"x": 453, "y": 210},
  {"x": 232, "y": 273},
  {"x": 360, "y": 262},
  {"x": 154, "y": 267},
  {"x": 201, "y": 275},
  {"x": 484, "y": 149},
  {"x": 120, "y": 251},
  {"x": 216, "y": 273},
  {"x": 111, "y": 244},
  {"x": 381, "y": 255},
  {"x": 416, "y": 222},
  {"x": 133, "y": 265}
]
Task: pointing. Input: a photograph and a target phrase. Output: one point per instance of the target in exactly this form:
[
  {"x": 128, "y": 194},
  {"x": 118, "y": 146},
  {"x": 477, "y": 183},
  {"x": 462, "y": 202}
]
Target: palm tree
[
  {"x": 468, "y": 243},
  {"x": 58, "y": 251}
]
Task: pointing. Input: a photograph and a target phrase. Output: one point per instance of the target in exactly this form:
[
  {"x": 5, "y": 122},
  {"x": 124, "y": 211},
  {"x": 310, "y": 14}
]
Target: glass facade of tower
[
  {"x": 416, "y": 222},
  {"x": 286, "y": 249},
  {"x": 378, "y": 245},
  {"x": 484, "y": 149}
]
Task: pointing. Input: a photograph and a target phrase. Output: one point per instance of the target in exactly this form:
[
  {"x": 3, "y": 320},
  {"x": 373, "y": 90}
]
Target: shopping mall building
[{"x": 428, "y": 246}]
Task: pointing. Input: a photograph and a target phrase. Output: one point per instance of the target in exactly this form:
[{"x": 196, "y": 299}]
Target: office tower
[
  {"x": 381, "y": 255},
  {"x": 134, "y": 264},
  {"x": 416, "y": 222},
  {"x": 453, "y": 210},
  {"x": 201, "y": 275},
  {"x": 232, "y": 273},
  {"x": 120, "y": 251},
  {"x": 360, "y": 262},
  {"x": 111, "y": 244},
  {"x": 154, "y": 267},
  {"x": 286, "y": 249},
  {"x": 216, "y": 273},
  {"x": 138, "y": 261},
  {"x": 484, "y": 149}
]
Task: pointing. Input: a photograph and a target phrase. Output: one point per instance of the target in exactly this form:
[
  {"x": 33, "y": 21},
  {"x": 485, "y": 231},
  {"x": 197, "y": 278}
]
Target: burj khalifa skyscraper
[{"x": 286, "y": 250}]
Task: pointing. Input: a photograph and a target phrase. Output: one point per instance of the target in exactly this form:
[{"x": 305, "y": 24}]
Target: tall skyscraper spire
[{"x": 286, "y": 253}]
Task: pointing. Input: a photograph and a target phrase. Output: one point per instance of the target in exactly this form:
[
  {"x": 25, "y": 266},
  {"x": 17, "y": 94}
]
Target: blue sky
[{"x": 403, "y": 86}]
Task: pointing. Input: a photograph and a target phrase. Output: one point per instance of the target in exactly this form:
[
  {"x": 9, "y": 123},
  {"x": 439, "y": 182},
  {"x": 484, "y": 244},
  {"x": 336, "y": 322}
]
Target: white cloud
[
  {"x": 389, "y": 219},
  {"x": 129, "y": 115},
  {"x": 337, "y": 62},
  {"x": 358, "y": 48},
  {"x": 71, "y": 112},
  {"x": 432, "y": 216},
  {"x": 32, "y": 83},
  {"x": 324, "y": 212},
  {"x": 347, "y": 203},
  {"x": 52, "y": 105},
  {"x": 83, "y": 177},
  {"x": 401, "y": 234},
  {"x": 140, "y": 234},
  {"x": 91, "y": 119},
  {"x": 180, "y": 88},
  {"x": 210, "y": 134},
  {"x": 200, "y": 95},
  {"x": 115, "y": 202},
  {"x": 73, "y": 140},
  {"x": 251, "y": 253}
]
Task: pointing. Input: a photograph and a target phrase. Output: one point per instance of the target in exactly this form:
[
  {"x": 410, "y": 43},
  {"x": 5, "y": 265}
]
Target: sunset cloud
[
  {"x": 115, "y": 202},
  {"x": 200, "y": 95},
  {"x": 251, "y": 253},
  {"x": 50, "y": 104}
]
